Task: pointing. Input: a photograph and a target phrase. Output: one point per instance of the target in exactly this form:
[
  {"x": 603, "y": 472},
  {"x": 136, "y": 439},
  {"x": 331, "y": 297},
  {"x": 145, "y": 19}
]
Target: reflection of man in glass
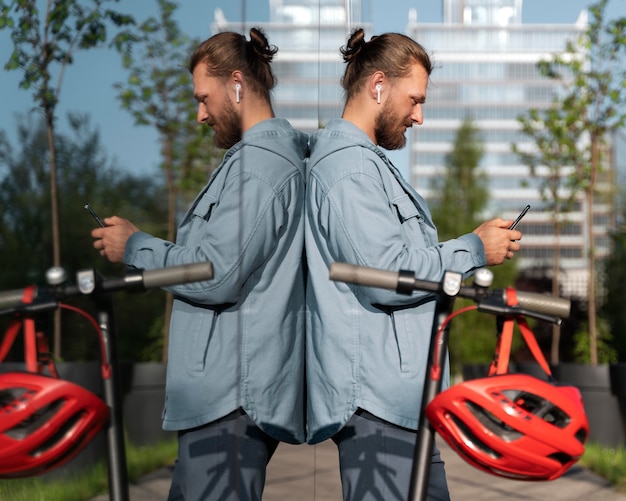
[
  {"x": 235, "y": 372},
  {"x": 367, "y": 348}
]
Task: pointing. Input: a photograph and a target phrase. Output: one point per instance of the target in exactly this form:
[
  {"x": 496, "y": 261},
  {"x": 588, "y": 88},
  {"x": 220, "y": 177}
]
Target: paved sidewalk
[{"x": 311, "y": 473}]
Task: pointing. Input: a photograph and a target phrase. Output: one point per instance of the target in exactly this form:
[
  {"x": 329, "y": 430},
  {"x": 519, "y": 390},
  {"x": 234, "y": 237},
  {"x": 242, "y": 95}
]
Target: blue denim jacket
[
  {"x": 368, "y": 347},
  {"x": 238, "y": 340}
]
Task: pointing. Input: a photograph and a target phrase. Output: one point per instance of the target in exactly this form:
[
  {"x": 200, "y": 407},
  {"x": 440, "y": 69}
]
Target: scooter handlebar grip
[{"x": 175, "y": 275}]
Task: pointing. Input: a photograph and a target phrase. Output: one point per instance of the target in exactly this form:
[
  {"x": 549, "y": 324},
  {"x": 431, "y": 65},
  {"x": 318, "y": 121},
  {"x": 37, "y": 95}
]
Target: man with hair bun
[
  {"x": 235, "y": 376},
  {"x": 367, "y": 348}
]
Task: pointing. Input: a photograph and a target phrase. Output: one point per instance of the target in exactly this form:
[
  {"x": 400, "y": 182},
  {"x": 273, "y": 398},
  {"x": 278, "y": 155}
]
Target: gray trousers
[
  {"x": 376, "y": 459},
  {"x": 224, "y": 460}
]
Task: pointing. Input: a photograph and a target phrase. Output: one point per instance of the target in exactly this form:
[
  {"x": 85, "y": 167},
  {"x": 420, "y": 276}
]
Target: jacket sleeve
[
  {"x": 359, "y": 224},
  {"x": 236, "y": 233}
]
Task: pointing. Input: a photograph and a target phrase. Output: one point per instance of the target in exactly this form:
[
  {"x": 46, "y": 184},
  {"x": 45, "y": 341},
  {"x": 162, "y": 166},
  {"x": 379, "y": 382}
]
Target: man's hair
[
  {"x": 391, "y": 53},
  {"x": 229, "y": 51}
]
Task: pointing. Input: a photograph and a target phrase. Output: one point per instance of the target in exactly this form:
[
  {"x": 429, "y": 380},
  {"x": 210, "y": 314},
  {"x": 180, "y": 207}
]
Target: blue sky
[{"x": 87, "y": 85}]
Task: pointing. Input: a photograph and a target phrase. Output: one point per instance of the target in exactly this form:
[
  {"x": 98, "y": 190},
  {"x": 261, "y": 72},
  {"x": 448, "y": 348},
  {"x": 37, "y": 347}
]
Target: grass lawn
[
  {"x": 606, "y": 462},
  {"x": 140, "y": 461}
]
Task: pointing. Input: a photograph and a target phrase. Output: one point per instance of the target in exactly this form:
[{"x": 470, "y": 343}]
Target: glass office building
[
  {"x": 486, "y": 69},
  {"x": 485, "y": 60}
]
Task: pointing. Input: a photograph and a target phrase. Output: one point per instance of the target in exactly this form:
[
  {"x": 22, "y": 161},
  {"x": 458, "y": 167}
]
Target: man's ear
[
  {"x": 236, "y": 81},
  {"x": 377, "y": 86}
]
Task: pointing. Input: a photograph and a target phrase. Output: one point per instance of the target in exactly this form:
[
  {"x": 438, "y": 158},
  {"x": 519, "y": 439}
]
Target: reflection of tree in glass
[
  {"x": 159, "y": 93},
  {"x": 42, "y": 43},
  {"x": 85, "y": 173}
]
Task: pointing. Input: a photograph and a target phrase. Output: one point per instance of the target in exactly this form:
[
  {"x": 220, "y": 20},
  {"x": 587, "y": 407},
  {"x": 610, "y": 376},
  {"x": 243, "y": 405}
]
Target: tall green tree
[
  {"x": 460, "y": 200},
  {"x": 461, "y": 195},
  {"x": 158, "y": 93},
  {"x": 574, "y": 132},
  {"x": 556, "y": 137},
  {"x": 44, "y": 44},
  {"x": 85, "y": 174}
]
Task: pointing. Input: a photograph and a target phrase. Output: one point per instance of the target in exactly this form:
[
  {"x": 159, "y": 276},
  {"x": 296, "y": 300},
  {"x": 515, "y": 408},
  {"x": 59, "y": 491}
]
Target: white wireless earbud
[
  {"x": 378, "y": 88},
  {"x": 237, "y": 87}
]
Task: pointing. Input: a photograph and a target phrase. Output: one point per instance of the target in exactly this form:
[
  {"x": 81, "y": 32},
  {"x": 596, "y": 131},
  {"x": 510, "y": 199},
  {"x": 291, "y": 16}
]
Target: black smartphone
[
  {"x": 88, "y": 208},
  {"x": 519, "y": 218}
]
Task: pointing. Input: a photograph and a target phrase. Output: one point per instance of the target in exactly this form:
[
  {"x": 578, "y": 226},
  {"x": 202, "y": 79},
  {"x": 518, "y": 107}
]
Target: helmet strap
[
  {"x": 36, "y": 351},
  {"x": 9, "y": 337},
  {"x": 500, "y": 363},
  {"x": 532, "y": 344}
]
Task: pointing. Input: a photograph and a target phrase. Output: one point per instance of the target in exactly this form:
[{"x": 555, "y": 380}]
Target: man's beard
[
  {"x": 227, "y": 127},
  {"x": 387, "y": 131}
]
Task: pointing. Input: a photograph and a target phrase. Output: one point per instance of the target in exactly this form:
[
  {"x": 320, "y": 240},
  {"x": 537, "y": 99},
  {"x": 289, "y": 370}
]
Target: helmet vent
[
  {"x": 471, "y": 439},
  {"x": 581, "y": 435},
  {"x": 538, "y": 406},
  {"x": 561, "y": 458},
  {"x": 35, "y": 421},
  {"x": 11, "y": 397},
  {"x": 494, "y": 424},
  {"x": 59, "y": 435}
]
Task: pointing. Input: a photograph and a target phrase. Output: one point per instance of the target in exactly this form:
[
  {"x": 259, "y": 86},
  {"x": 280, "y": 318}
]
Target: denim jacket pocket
[
  {"x": 406, "y": 209},
  {"x": 203, "y": 328},
  {"x": 417, "y": 230},
  {"x": 407, "y": 346},
  {"x": 204, "y": 207}
]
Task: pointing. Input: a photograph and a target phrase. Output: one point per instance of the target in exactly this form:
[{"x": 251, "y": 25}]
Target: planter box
[
  {"x": 477, "y": 371},
  {"x": 605, "y": 410},
  {"x": 532, "y": 369},
  {"x": 474, "y": 371},
  {"x": 143, "y": 387},
  {"x": 617, "y": 374}
]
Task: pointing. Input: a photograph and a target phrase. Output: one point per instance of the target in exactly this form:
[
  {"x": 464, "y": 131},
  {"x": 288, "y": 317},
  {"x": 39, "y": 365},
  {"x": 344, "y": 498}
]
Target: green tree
[
  {"x": 85, "y": 174},
  {"x": 557, "y": 188},
  {"x": 464, "y": 188},
  {"x": 574, "y": 132},
  {"x": 461, "y": 197},
  {"x": 44, "y": 43},
  {"x": 159, "y": 93}
]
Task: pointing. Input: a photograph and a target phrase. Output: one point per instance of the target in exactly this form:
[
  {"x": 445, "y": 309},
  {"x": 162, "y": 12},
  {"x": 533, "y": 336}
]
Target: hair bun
[
  {"x": 356, "y": 42},
  {"x": 261, "y": 46}
]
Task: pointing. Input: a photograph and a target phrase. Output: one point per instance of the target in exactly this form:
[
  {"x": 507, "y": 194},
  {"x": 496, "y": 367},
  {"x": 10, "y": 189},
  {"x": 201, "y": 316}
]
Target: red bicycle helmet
[
  {"x": 44, "y": 422},
  {"x": 513, "y": 425}
]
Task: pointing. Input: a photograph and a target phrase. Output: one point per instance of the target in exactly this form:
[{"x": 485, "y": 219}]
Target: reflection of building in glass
[
  {"x": 485, "y": 61},
  {"x": 308, "y": 65},
  {"x": 485, "y": 67}
]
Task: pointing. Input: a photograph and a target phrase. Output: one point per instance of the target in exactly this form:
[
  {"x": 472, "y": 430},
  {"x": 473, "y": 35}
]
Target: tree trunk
[
  {"x": 56, "y": 239},
  {"x": 591, "y": 284},
  {"x": 556, "y": 268}
]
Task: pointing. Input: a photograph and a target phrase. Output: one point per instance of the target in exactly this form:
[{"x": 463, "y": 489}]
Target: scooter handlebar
[
  {"x": 532, "y": 302},
  {"x": 175, "y": 275},
  {"x": 141, "y": 279}
]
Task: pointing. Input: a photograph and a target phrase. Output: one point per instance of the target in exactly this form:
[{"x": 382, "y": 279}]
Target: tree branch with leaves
[
  {"x": 571, "y": 137},
  {"x": 158, "y": 93},
  {"x": 44, "y": 43}
]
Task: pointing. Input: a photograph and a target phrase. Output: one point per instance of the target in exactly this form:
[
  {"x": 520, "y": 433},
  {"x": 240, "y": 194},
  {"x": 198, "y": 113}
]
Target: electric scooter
[
  {"x": 89, "y": 283},
  {"x": 539, "y": 306}
]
